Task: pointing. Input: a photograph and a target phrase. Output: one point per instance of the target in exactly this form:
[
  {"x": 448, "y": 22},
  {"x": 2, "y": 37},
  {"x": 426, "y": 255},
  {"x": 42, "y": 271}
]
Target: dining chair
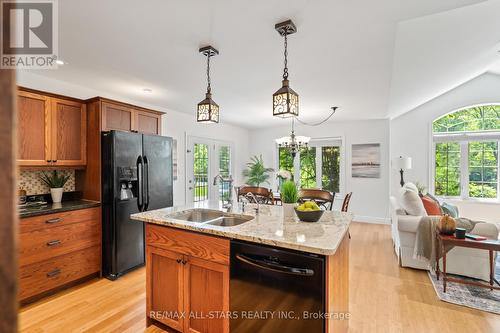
[
  {"x": 345, "y": 204},
  {"x": 262, "y": 195},
  {"x": 321, "y": 197}
]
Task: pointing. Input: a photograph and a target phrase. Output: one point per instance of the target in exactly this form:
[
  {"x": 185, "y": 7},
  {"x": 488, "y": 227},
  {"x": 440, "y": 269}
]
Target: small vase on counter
[
  {"x": 56, "y": 194},
  {"x": 288, "y": 211}
]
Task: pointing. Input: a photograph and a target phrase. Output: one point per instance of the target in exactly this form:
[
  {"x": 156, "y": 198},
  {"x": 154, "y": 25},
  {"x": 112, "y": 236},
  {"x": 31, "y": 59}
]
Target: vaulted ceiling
[{"x": 374, "y": 59}]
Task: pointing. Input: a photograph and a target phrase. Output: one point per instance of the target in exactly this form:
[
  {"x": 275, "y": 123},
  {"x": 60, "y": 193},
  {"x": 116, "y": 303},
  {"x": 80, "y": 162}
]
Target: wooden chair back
[
  {"x": 345, "y": 204},
  {"x": 262, "y": 194},
  {"x": 321, "y": 197}
]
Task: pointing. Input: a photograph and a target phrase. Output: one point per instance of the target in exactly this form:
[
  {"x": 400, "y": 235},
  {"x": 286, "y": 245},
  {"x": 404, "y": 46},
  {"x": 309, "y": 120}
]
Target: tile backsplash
[{"x": 31, "y": 182}]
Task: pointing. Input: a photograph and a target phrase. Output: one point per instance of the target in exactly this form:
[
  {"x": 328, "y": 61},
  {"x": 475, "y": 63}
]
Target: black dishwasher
[{"x": 276, "y": 290}]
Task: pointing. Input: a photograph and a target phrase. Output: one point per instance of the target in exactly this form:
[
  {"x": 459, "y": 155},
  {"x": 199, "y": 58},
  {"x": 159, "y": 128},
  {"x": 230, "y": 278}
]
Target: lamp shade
[
  {"x": 403, "y": 163},
  {"x": 207, "y": 111},
  {"x": 285, "y": 102}
]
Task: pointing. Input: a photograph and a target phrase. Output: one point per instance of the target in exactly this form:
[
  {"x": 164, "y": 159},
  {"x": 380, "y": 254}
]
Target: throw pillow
[
  {"x": 410, "y": 200},
  {"x": 450, "y": 209},
  {"x": 431, "y": 207}
]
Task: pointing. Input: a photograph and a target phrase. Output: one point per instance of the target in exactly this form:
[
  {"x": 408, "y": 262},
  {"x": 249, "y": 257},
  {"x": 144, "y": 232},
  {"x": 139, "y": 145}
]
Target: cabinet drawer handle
[
  {"x": 184, "y": 262},
  {"x": 53, "y": 273},
  {"x": 179, "y": 261},
  {"x": 54, "y": 161},
  {"x": 57, "y": 219},
  {"x": 54, "y": 242}
]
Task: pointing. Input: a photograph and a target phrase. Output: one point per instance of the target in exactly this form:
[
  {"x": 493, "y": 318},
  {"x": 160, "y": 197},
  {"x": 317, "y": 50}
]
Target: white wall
[
  {"x": 411, "y": 135},
  {"x": 370, "y": 200},
  {"x": 174, "y": 124}
]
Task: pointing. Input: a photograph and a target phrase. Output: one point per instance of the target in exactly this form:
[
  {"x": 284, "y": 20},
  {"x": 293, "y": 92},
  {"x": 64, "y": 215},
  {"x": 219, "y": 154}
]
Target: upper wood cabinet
[
  {"x": 124, "y": 117},
  {"x": 33, "y": 129},
  {"x": 51, "y": 131},
  {"x": 69, "y": 133},
  {"x": 148, "y": 123},
  {"x": 117, "y": 117}
]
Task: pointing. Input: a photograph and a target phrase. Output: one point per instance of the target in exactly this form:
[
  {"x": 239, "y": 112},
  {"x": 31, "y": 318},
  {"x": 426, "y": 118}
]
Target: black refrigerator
[{"x": 136, "y": 177}]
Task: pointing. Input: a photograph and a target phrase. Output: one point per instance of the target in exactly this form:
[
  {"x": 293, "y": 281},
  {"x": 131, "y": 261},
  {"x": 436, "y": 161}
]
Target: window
[
  {"x": 466, "y": 144},
  {"x": 200, "y": 172},
  {"x": 224, "y": 171},
  {"x": 447, "y": 178},
  {"x": 317, "y": 166},
  {"x": 308, "y": 167}
]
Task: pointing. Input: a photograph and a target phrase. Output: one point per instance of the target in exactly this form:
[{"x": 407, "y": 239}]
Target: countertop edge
[
  {"x": 233, "y": 235},
  {"x": 85, "y": 205}
]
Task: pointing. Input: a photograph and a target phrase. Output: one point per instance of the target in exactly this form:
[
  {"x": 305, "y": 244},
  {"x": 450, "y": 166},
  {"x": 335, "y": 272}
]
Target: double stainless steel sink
[{"x": 212, "y": 217}]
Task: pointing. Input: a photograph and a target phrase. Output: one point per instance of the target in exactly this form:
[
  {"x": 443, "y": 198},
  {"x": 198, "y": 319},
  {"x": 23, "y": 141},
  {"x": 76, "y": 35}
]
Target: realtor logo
[{"x": 29, "y": 34}]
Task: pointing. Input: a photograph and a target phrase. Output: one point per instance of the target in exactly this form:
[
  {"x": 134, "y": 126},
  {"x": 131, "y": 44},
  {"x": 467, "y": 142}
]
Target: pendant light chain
[
  {"x": 209, "y": 88},
  {"x": 285, "y": 70}
]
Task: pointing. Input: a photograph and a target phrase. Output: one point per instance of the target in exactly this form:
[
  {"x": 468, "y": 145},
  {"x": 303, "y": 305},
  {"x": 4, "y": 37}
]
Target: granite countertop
[
  {"x": 267, "y": 227},
  {"x": 51, "y": 208}
]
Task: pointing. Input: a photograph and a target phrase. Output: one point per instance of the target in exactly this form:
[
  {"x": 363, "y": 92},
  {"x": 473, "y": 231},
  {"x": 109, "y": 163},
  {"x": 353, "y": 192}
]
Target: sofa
[{"x": 461, "y": 261}]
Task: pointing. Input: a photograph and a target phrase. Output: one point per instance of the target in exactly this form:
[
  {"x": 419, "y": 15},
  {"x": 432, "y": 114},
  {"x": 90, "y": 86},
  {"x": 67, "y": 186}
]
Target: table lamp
[{"x": 403, "y": 163}]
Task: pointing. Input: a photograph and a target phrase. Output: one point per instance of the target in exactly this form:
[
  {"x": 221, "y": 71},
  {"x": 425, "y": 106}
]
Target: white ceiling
[{"x": 346, "y": 53}]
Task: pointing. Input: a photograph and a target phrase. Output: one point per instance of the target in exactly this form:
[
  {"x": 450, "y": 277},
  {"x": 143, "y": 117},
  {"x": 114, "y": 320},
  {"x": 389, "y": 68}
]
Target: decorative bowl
[{"x": 309, "y": 216}]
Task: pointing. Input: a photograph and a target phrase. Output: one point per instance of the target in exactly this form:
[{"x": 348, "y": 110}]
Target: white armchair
[{"x": 462, "y": 261}]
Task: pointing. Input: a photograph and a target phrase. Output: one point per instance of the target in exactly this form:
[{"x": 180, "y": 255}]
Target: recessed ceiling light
[
  {"x": 60, "y": 62},
  {"x": 147, "y": 90}
]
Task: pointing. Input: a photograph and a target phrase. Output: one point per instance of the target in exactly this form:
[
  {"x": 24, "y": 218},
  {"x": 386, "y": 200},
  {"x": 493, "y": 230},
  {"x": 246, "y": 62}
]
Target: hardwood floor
[{"x": 383, "y": 298}]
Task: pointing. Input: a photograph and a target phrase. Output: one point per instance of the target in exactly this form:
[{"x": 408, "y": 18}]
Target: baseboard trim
[{"x": 372, "y": 219}]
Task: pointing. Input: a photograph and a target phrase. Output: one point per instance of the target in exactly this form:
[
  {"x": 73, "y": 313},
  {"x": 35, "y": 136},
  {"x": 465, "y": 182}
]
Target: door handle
[
  {"x": 57, "y": 219},
  {"x": 275, "y": 267},
  {"x": 146, "y": 182},
  {"x": 140, "y": 194}
]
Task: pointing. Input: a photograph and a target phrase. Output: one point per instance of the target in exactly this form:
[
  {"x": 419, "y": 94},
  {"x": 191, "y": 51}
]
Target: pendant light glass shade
[
  {"x": 207, "y": 110},
  {"x": 285, "y": 102}
]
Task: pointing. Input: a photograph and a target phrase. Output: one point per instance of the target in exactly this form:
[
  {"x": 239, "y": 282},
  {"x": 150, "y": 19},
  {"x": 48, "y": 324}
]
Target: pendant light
[
  {"x": 285, "y": 100},
  {"x": 208, "y": 110}
]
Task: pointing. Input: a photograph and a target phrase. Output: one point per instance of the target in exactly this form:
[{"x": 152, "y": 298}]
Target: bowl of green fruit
[{"x": 309, "y": 211}]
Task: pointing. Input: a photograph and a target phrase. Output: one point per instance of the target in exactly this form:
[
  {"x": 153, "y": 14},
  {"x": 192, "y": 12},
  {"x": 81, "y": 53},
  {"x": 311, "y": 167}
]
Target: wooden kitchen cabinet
[
  {"x": 69, "y": 133},
  {"x": 33, "y": 129},
  {"x": 51, "y": 130},
  {"x": 148, "y": 123},
  {"x": 187, "y": 273},
  {"x": 124, "y": 117},
  {"x": 56, "y": 250},
  {"x": 117, "y": 117},
  {"x": 206, "y": 292},
  {"x": 165, "y": 273}
]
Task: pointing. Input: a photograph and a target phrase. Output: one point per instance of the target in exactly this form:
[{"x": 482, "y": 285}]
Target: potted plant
[
  {"x": 289, "y": 197},
  {"x": 257, "y": 173},
  {"x": 56, "y": 183},
  {"x": 283, "y": 175}
]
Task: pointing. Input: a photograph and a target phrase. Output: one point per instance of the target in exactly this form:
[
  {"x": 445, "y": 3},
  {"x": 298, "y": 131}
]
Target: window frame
[
  {"x": 463, "y": 138},
  {"x": 318, "y": 143}
]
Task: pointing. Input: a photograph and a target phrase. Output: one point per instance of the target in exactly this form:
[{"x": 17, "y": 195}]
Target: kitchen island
[{"x": 189, "y": 261}]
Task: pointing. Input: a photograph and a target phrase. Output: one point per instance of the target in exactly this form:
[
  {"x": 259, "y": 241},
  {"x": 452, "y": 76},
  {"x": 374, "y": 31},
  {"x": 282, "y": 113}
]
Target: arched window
[{"x": 466, "y": 160}]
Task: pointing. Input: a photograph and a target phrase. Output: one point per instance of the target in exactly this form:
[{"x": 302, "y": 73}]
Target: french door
[{"x": 205, "y": 159}]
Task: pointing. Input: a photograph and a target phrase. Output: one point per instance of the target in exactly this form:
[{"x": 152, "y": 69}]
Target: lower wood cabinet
[
  {"x": 57, "y": 249},
  {"x": 186, "y": 290}
]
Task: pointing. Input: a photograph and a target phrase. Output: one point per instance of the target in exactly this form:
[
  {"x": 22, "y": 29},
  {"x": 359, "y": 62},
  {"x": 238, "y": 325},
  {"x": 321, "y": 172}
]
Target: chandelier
[
  {"x": 208, "y": 110},
  {"x": 285, "y": 100},
  {"x": 293, "y": 142}
]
